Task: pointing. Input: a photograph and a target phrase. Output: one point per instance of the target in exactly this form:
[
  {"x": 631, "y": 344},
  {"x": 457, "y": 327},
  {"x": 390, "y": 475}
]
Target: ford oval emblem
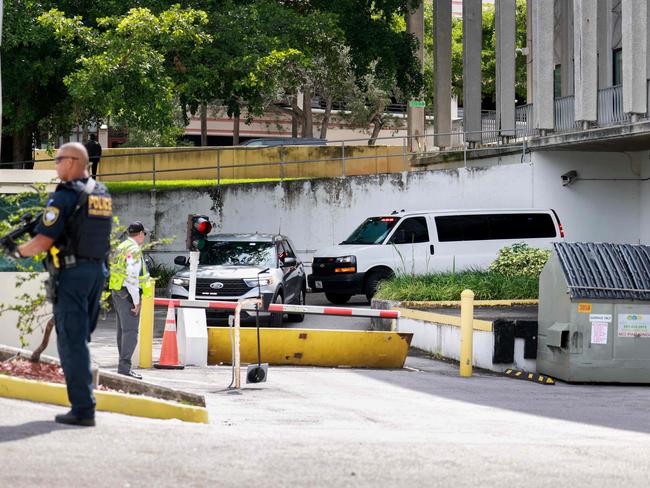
[{"x": 216, "y": 285}]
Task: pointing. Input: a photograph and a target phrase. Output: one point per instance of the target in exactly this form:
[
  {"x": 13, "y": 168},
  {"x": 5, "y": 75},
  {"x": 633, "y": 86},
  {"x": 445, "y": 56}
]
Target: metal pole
[
  {"x": 281, "y": 162},
  {"x": 524, "y": 150},
  {"x": 342, "y": 158},
  {"x": 219, "y": 170},
  {"x": 465, "y": 148},
  {"x": 236, "y": 361},
  {"x": 404, "y": 154},
  {"x": 466, "y": 332},
  {"x": 194, "y": 265},
  {"x": 154, "y": 173}
]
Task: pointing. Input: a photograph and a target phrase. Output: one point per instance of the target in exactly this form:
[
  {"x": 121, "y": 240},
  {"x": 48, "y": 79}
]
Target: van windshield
[
  {"x": 238, "y": 253},
  {"x": 373, "y": 231}
]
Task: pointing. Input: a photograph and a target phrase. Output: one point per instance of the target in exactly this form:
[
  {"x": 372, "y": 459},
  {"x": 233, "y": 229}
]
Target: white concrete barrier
[
  {"x": 21, "y": 180},
  {"x": 443, "y": 339},
  {"x": 192, "y": 337},
  {"x": 9, "y": 293}
]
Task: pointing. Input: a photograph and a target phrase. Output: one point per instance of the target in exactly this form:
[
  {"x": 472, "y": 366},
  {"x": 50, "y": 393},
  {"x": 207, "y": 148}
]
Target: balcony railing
[
  {"x": 489, "y": 132},
  {"x": 565, "y": 114},
  {"x": 524, "y": 121},
  {"x": 610, "y": 106}
]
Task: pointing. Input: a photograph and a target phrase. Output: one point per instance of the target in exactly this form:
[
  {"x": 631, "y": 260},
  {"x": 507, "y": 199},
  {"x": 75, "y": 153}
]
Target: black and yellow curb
[
  {"x": 107, "y": 401},
  {"x": 534, "y": 377}
]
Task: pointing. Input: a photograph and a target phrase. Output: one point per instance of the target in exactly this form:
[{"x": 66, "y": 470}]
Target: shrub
[
  {"x": 163, "y": 276},
  {"x": 520, "y": 260},
  {"x": 486, "y": 285}
]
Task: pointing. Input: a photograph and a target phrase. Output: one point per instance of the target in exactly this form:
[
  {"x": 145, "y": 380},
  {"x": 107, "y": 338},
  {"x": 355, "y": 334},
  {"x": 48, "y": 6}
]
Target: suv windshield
[
  {"x": 238, "y": 253},
  {"x": 373, "y": 231}
]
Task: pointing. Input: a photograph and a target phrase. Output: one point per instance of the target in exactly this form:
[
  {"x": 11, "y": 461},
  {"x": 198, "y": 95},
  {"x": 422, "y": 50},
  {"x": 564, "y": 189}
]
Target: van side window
[
  {"x": 411, "y": 231},
  {"x": 521, "y": 226},
  {"x": 494, "y": 226},
  {"x": 462, "y": 228}
]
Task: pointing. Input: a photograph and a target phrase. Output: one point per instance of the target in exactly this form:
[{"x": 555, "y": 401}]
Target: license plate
[{"x": 319, "y": 284}]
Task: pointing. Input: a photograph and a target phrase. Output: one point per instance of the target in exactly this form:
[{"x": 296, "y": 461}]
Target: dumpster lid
[{"x": 605, "y": 271}]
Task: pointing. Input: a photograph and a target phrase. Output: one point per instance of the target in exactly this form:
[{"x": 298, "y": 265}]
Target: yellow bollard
[
  {"x": 466, "y": 331},
  {"x": 146, "y": 332}
]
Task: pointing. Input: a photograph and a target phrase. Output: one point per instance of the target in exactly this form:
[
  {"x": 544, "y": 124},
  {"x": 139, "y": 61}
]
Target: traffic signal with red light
[{"x": 198, "y": 228}]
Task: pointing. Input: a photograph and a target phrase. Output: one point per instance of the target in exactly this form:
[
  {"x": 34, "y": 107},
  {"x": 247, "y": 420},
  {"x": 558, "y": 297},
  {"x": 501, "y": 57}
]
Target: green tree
[{"x": 125, "y": 63}]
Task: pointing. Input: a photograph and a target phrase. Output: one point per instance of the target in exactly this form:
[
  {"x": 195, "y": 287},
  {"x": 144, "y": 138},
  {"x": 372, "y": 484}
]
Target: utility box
[{"x": 594, "y": 313}]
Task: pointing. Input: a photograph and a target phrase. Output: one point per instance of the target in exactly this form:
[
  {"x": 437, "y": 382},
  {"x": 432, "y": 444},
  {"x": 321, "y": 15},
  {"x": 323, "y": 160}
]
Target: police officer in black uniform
[{"x": 75, "y": 230}]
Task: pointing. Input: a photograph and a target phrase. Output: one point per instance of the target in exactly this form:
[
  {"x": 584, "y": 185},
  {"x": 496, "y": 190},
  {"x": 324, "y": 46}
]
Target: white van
[{"x": 425, "y": 242}]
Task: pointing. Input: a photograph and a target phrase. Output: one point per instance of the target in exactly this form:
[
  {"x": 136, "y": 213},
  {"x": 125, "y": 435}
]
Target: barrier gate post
[{"x": 146, "y": 333}]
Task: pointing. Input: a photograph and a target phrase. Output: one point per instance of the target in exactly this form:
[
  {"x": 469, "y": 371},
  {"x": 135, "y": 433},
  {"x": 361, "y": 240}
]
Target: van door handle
[{"x": 432, "y": 249}]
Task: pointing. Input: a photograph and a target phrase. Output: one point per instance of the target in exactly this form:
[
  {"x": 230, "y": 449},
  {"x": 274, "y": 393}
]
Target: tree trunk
[
  {"x": 22, "y": 147},
  {"x": 204, "y": 124},
  {"x": 235, "y": 129},
  {"x": 379, "y": 123},
  {"x": 307, "y": 116},
  {"x": 326, "y": 118},
  {"x": 296, "y": 114}
]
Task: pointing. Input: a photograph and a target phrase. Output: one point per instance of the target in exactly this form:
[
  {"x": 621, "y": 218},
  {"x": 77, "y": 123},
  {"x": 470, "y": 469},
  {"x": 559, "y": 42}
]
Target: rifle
[
  {"x": 51, "y": 263},
  {"x": 29, "y": 224}
]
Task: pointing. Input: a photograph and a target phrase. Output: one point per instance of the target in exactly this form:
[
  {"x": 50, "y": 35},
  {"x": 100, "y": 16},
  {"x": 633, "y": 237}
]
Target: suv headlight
[
  {"x": 252, "y": 282},
  {"x": 181, "y": 282}
]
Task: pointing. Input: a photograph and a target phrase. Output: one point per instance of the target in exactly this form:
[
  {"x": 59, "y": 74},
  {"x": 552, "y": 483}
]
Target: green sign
[{"x": 417, "y": 103}]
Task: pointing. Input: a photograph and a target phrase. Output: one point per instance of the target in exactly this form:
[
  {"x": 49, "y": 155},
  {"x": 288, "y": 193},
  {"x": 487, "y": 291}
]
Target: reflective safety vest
[{"x": 118, "y": 269}]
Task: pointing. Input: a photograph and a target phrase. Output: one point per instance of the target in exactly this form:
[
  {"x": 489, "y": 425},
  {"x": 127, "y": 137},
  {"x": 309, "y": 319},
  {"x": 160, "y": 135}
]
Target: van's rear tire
[
  {"x": 373, "y": 280},
  {"x": 338, "y": 298}
]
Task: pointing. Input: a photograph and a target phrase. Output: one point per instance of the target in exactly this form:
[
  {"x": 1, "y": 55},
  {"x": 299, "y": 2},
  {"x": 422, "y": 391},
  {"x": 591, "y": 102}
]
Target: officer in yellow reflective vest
[{"x": 128, "y": 280}]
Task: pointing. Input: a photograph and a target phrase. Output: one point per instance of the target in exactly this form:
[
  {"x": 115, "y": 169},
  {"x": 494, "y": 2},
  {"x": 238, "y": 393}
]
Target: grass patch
[
  {"x": 163, "y": 185},
  {"x": 486, "y": 285}
]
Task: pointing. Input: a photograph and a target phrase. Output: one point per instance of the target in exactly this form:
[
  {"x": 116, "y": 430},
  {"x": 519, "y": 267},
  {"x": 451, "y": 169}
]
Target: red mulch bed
[
  {"x": 51, "y": 373},
  {"x": 33, "y": 371}
]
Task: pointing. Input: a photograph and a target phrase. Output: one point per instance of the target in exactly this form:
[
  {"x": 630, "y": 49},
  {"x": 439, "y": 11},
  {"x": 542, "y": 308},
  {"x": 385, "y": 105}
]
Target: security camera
[{"x": 569, "y": 177}]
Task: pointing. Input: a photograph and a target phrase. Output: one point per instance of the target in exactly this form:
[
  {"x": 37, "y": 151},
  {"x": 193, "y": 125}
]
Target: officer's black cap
[{"x": 135, "y": 227}]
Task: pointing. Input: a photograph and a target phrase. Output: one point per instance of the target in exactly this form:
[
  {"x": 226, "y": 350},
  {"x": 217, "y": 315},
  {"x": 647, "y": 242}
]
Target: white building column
[
  {"x": 604, "y": 21},
  {"x": 586, "y": 59},
  {"x": 529, "y": 54},
  {"x": 442, "y": 72},
  {"x": 505, "y": 71},
  {"x": 472, "y": 34},
  {"x": 634, "y": 27},
  {"x": 543, "y": 103},
  {"x": 415, "y": 115},
  {"x": 566, "y": 43}
]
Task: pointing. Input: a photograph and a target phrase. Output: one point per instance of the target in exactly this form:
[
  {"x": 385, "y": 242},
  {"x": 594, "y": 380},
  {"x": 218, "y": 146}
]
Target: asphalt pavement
[{"x": 418, "y": 426}]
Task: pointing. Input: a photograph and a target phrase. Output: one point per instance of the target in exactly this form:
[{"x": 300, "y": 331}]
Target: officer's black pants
[{"x": 75, "y": 314}]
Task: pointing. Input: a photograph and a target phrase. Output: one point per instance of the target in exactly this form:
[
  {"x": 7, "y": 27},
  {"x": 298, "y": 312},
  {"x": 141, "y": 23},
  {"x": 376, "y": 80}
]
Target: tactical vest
[
  {"x": 118, "y": 269},
  {"x": 87, "y": 231}
]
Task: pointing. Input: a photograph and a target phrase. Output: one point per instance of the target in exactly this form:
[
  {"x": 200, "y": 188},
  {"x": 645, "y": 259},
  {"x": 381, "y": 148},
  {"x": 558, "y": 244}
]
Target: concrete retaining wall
[
  {"x": 8, "y": 332},
  {"x": 321, "y": 212},
  {"x": 444, "y": 340},
  {"x": 243, "y": 163}
]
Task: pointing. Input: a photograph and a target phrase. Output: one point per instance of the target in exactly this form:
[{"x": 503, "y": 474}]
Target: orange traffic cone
[{"x": 169, "y": 351}]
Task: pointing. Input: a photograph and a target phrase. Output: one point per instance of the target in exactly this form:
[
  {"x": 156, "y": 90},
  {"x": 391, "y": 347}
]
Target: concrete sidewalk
[{"x": 420, "y": 426}]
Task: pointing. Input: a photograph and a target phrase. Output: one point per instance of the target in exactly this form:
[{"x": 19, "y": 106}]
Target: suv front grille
[
  {"x": 323, "y": 266},
  {"x": 231, "y": 288}
]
